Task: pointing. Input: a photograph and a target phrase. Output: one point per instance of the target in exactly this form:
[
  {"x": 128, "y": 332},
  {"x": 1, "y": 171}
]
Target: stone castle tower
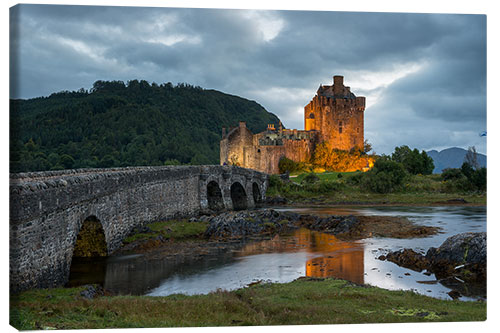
[
  {"x": 335, "y": 116},
  {"x": 338, "y": 116}
]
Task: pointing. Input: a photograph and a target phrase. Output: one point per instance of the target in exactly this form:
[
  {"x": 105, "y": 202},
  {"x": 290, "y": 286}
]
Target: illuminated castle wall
[{"x": 335, "y": 115}]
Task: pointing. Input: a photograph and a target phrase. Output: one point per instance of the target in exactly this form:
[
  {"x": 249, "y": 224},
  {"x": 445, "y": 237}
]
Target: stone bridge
[{"x": 48, "y": 209}]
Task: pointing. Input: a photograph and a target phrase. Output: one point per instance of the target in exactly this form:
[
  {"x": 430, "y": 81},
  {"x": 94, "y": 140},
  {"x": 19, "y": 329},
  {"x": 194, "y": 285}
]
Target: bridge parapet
[{"x": 47, "y": 209}]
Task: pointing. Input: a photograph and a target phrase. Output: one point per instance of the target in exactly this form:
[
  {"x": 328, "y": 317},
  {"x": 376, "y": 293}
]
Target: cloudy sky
[{"x": 423, "y": 75}]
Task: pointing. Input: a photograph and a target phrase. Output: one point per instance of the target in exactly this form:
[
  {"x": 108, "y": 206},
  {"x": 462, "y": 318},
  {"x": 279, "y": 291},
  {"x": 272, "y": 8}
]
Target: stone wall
[
  {"x": 233, "y": 145},
  {"x": 340, "y": 121},
  {"x": 266, "y": 158},
  {"x": 47, "y": 210},
  {"x": 299, "y": 150}
]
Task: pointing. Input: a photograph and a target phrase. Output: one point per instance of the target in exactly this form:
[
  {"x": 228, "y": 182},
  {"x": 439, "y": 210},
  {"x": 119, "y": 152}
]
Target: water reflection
[
  {"x": 136, "y": 276},
  {"x": 281, "y": 259},
  {"x": 285, "y": 258},
  {"x": 331, "y": 256},
  {"x": 347, "y": 265}
]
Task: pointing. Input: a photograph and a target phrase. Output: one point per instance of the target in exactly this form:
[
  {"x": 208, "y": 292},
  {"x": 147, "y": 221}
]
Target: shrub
[
  {"x": 452, "y": 173},
  {"x": 467, "y": 170},
  {"x": 464, "y": 179},
  {"x": 385, "y": 176},
  {"x": 421, "y": 183},
  {"x": 458, "y": 185},
  {"x": 478, "y": 179},
  {"x": 310, "y": 178},
  {"x": 286, "y": 164},
  {"x": 355, "y": 179},
  {"x": 339, "y": 160},
  {"x": 274, "y": 181},
  {"x": 325, "y": 187}
]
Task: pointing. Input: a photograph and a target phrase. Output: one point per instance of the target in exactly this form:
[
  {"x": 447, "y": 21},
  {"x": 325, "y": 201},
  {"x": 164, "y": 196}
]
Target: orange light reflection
[{"x": 344, "y": 260}]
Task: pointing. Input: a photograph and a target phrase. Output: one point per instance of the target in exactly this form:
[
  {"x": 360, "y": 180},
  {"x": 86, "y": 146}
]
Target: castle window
[
  {"x": 311, "y": 116},
  {"x": 357, "y": 129},
  {"x": 258, "y": 150},
  {"x": 340, "y": 127}
]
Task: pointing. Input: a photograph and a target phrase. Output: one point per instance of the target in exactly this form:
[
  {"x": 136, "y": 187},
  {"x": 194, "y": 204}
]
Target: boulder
[
  {"x": 466, "y": 248},
  {"x": 407, "y": 258},
  {"x": 462, "y": 255},
  {"x": 92, "y": 291}
]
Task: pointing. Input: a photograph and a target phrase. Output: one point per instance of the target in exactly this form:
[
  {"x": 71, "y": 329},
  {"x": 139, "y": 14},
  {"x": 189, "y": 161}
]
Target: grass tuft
[{"x": 301, "y": 302}]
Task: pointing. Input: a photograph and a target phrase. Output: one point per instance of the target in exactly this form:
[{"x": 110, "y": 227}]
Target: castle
[{"x": 335, "y": 116}]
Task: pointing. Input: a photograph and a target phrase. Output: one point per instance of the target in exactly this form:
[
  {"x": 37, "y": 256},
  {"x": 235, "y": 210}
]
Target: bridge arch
[
  {"x": 214, "y": 196},
  {"x": 91, "y": 239},
  {"x": 239, "y": 196},
  {"x": 257, "y": 196}
]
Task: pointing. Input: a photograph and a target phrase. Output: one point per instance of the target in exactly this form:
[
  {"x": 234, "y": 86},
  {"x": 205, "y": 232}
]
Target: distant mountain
[
  {"x": 452, "y": 158},
  {"x": 118, "y": 124}
]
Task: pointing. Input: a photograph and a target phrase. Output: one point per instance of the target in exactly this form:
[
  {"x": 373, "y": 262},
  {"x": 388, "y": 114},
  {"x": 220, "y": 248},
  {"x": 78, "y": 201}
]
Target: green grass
[
  {"x": 416, "y": 190},
  {"x": 175, "y": 229},
  {"x": 325, "y": 176},
  {"x": 302, "y": 302}
]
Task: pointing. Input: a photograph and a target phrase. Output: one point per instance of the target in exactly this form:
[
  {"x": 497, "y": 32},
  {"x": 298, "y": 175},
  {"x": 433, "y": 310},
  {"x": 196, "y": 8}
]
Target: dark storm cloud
[{"x": 277, "y": 58}]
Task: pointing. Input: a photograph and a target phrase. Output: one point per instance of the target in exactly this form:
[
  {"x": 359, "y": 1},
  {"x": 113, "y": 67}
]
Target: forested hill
[{"x": 117, "y": 124}]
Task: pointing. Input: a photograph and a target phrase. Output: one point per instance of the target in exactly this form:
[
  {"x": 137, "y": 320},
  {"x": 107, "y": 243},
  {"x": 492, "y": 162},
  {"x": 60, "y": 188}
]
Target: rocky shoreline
[
  {"x": 460, "y": 260},
  {"x": 228, "y": 228},
  {"x": 269, "y": 221}
]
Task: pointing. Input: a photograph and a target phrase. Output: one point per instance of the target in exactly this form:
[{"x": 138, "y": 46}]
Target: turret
[
  {"x": 338, "y": 85},
  {"x": 360, "y": 102}
]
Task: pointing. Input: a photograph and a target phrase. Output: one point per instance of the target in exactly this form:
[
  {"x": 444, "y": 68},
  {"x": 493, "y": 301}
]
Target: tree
[
  {"x": 200, "y": 159},
  {"x": 427, "y": 163},
  {"x": 471, "y": 158},
  {"x": 66, "y": 161},
  {"x": 367, "y": 147},
  {"x": 117, "y": 124},
  {"x": 401, "y": 154},
  {"x": 413, "y": 161},
  {"x": 477, "y": 177},
  {"x": 467, "y": 170}
]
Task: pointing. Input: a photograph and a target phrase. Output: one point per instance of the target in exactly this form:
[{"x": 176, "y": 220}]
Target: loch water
[{"x": 285, "y": 258}]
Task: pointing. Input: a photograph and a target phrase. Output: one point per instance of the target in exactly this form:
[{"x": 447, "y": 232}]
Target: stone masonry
[{"x": 47, "y": 209}]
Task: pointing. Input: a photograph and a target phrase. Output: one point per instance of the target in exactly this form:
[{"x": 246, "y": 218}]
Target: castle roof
[{"x": 327, "y": 91}]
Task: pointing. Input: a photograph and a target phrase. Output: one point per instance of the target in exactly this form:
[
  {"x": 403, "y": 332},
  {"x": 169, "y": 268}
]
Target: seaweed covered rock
[
  {"x": 462, "y": 255},
  {"x": 248, "y": 222},
  {"x": 336, "y": 225},
  {"x": 465, "y": 252},
  {"x": 407, "y": 258},
  {"x": 465, "y": 248}
]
